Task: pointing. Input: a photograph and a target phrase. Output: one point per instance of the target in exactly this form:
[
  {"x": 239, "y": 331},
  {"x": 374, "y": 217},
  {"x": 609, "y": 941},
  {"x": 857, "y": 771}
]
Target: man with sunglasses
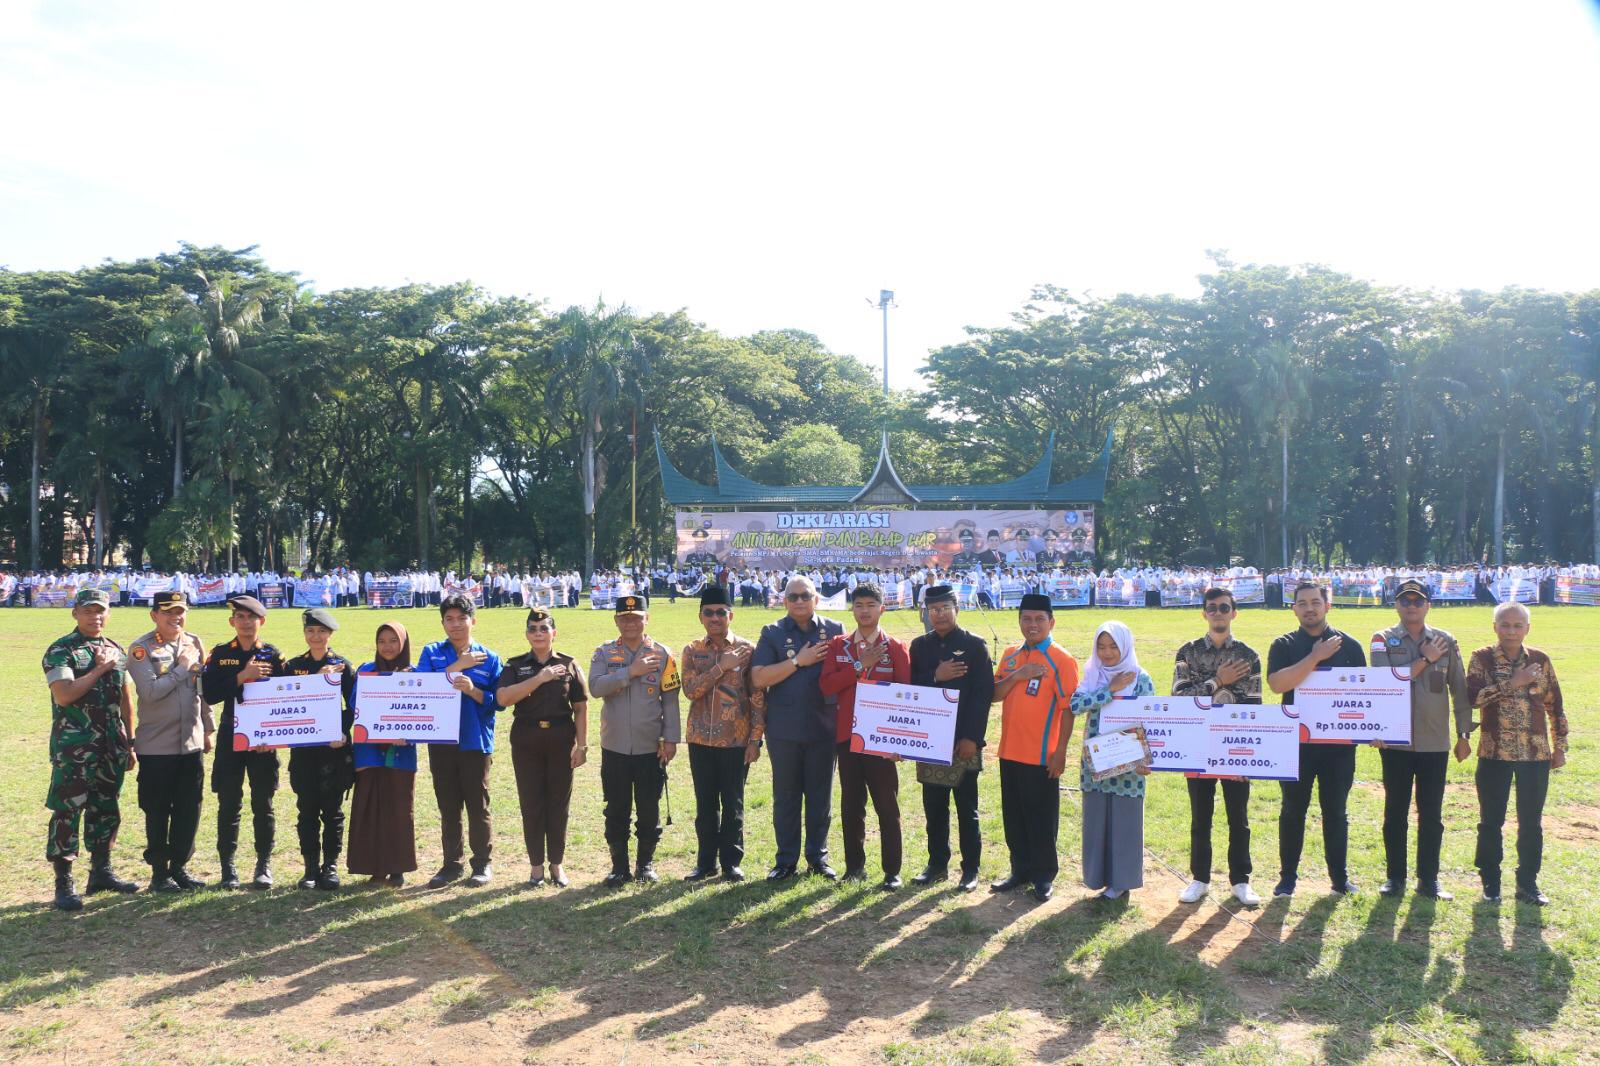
[
  {"x": 727, "y": 719},
  {"x": 800, "y": 728},
  {"x": 1438, "y": 686},
  {"x": 1224, "y": 670}
]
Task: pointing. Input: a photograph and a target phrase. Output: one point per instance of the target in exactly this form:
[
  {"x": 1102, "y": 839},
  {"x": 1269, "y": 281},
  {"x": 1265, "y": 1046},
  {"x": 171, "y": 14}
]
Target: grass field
[{"x": 811, "y": 972}]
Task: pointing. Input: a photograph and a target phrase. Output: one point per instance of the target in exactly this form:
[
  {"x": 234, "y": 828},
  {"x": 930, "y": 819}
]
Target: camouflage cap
[{"x": 92, "y": 598}]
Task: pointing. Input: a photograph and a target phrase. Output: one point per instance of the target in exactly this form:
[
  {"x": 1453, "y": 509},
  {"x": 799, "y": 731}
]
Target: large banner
[
  {"x": 1180, "y": 590},
  {"x": 389, "y": 592},
  {"x": 316, "y": 592},
  {"x": 1118, "y": 592},
  {"x": 1070, "y": 591},
  {"x": 212, "y": 591},
  {"x": 886, "y": 540},
  {"x": 1456, "y": 587},
  {"x": 270, "y": 593},
  {"x": 1354, "y": 591},
  {"x": 1584, "y": 590},
  {"x": 1515, "y": 590},
  {"x": 472, "y": 590}
]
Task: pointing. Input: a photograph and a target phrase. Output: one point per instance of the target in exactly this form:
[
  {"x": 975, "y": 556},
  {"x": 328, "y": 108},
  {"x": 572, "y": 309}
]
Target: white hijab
[{"x": 1099, "y": 675}]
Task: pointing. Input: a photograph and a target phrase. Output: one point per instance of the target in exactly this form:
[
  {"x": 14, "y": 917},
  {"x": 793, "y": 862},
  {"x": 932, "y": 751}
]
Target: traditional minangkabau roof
[{"x": 884, "y": 488}]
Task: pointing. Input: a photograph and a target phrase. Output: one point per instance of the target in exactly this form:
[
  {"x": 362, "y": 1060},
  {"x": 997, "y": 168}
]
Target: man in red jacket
[{"x": 868, "y": 654}]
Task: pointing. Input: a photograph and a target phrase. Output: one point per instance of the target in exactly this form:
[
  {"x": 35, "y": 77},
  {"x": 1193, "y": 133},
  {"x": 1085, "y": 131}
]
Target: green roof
[{"x": 884, "y": 487}]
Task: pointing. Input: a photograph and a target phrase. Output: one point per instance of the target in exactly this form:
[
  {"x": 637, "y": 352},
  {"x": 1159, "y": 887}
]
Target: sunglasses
[
  {"x": 1411, "y": 601},
  {"x": 713, "y": 612},
  {"x": 798, "y": 597},
  {"x": 1218, "y": 608}
]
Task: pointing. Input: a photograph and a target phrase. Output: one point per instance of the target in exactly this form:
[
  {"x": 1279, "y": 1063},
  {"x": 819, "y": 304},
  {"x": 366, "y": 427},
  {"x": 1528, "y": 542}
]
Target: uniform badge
[
  {"x": 1394, "y": 642},
  {"x": 959, "y": 651},
  {"x": 138, "y": 652}
]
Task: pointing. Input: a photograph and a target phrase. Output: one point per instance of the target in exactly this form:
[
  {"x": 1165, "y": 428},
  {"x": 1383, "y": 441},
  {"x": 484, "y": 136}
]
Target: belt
[{"x": 546, "y": 723}]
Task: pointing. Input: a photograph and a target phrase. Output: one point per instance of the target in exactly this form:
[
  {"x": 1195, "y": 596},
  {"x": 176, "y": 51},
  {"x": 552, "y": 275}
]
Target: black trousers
[
  {"x": 1030, "y": 806},
  {"x": 170, "y": 789},
  {"x": 802, "y": 772},
  {"x": 1332, "y": 769},
  {"x": 632, "y": 783},
  {"x": 936, "y": 810},
  {"x": 719, "y": 777},
  {"x": 229, "y": 770},
  {"x": 1202, "y": 808},
  {"x": 320, "y": 779},
  {"x": 461, "y": 783},
  {"x": 1427, "y": 771},
  {"x": 1495, "y": 778}
]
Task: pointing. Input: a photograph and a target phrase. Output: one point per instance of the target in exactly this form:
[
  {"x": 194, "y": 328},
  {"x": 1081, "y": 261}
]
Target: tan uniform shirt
[
  {"x": 172, "y": 718},
  {"x": 1434, "y": 690}
]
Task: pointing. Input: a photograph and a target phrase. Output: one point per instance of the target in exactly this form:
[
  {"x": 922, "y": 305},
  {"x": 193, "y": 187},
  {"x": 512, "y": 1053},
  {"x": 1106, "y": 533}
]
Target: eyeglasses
[
  {"x": 713, "y": 612},
  {"x": 799, "y": 597},
  {"x": 1218, "y": 608}
]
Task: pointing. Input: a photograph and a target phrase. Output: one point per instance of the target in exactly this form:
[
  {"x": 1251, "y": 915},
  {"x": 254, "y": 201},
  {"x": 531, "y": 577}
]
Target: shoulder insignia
[{"x": 139, "y": 652}]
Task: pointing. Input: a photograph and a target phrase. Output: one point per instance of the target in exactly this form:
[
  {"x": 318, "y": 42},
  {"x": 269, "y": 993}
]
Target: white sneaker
[
  {"x": 1194, "y": 893},
  {"x": 1111, "y": 893},
  {"x": 1246, "y": 895}
]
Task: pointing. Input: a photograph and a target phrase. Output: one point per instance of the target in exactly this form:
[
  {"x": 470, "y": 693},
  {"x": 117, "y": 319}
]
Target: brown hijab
[{"x": 397, "y": 665}]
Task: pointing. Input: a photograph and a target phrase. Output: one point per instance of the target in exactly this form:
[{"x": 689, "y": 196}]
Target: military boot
[
  {"x": 67, "y": 898},
  {"x": 161, "y": 880},
  {"x": 312, "y": 873},
  {"x": 328, "y": 876},
  {"x": 229, "y": 877},
  {"x": 646, "y": 870},
  {"x": 263, "y": 877},
  {"x": 619, "y": 867},
  {"x": 101, "y": 876}
]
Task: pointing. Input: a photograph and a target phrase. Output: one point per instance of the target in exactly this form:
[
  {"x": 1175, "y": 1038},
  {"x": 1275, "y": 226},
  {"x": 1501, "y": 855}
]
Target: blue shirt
[
  {"x": 394, "y": 756},
  {"x": 477, "y": 720},
  {"x": 796, "y": 708}
]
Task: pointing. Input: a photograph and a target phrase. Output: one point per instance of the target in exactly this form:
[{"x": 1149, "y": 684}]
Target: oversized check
[
  {"x": 289, "y": 712},
  {"x": 916, "y": 722},
  {"x": 1256, "y": 740},
  {"x": 1355, "y": 704},
  {"x": 422, "y": 708},
  {"x": 1177, "y": 728}
]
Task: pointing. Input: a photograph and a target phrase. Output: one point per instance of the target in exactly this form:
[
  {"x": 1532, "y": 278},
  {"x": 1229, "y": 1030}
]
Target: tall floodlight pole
[{"x": 885, "y": 301}]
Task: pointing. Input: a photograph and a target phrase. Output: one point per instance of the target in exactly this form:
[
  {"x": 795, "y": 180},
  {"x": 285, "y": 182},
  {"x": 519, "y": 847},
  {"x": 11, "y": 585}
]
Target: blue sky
[{"x": 774, "y": 166}]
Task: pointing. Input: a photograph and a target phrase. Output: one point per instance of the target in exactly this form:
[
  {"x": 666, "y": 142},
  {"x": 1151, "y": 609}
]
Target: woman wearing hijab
[
  {"x": 1113, "y": 808},
  {"x": 383, "y": 839}
]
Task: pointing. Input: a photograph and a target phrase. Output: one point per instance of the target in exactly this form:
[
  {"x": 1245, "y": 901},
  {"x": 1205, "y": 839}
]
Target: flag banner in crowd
[
  {"x": 472, "y": 590},
  {"x": 602, "y": 599},
  {"x": 1578, "y": 590},
  {"x": 892, "y": 598},
  {"x": 145, "y": 588},
  {"x": 1515, "y": 590},
  {"x": 1069, "y": 591},
  {"x": 8, "y": 587},
  {"x": 967, "y": 593},
  {"x": 54, "y": 595},
  {"x": 885, "y": 540},
  {"x": 1183, "y": 590},
  {"x": 212, "y": 591},
  {"x": 1117, "y": 592},
  {"x": 1454, "y": 587},
  {"x": 271, "y": 594},
  {"x": 1011, "y": 592},
  {"x": 1351, "y": 591},
  {"x": 316, "y": 592},
  {"x": 389, "y": 592}
]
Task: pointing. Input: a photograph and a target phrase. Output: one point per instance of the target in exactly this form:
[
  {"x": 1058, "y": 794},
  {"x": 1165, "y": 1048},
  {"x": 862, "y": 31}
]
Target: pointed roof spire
[{"x": 884, "y": 486}]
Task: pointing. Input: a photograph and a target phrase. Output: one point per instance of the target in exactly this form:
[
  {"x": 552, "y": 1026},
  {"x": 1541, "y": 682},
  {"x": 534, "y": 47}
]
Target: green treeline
[{"x": 202, "y": 405}]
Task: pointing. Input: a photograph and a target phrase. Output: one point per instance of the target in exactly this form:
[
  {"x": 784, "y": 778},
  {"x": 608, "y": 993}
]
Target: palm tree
[{"x": 595, "y": 362}]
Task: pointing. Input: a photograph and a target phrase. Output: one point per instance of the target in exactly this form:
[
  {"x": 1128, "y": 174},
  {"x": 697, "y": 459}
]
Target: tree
[{"x": 811, "y": 455}]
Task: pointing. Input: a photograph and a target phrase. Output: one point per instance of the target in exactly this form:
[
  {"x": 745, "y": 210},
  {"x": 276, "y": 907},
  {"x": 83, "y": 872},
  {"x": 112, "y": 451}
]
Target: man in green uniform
[{"x": 91, "y": 748}]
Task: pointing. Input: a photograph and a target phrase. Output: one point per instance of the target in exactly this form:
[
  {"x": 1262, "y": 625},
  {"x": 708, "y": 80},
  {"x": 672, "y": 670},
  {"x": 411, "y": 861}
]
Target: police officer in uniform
[
  {"x": 321, "y": 776},
  {"x": 175, "y": 730},
  {"x": 700, "y": 556},
  {"x": 229, "y": 668},
  {"x": 967, "y": 557},
  {"x": 1050, "y": 556},
  {"x": 91, "y": 723},
  {"x": 638, "y": 680}
]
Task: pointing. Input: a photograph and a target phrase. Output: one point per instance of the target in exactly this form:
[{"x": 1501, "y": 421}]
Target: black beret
[
  {"x": 318, "y": 616},
  {"x": 247, "y": 603}
]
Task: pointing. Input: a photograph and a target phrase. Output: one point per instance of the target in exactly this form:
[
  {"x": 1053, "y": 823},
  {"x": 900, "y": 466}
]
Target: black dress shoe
[
  {"x": 700, "y": 873},
  {"x": 263, "y": 877},
  {"x": 450, "y": 871},
  {"x": 854, "y": 873},
  {"x": 646, "y": 873},
  {"x": 968, "y": 881},
  {"x": 481, "y": 875},
  {"x": 1006, "y": 884},
  {"x": 1392, "y": 887},
  {"x": 931, "y": 875},
  {"x": 1043, "y": 890},
  {"x": 185, "y": 880},
  {"x": 1347, "y": 888},
  {"x": 822, "y": 869},
  {"x": 1431, "y": 890},
  {"x": 616, "y": 879},
  {"x": 163, "y": 883},
  {"x": 535, "y": 880},
  {"x": 1532, "y": 895},
  {"x": 560, "y": 880},
  {"x": 892, "y": 882},
  {"x": 397, "y": 880},
  {"x": 733, "y": 873},
  {"x": 780, "y": 873},
  {"x": 328, "y": 877}
]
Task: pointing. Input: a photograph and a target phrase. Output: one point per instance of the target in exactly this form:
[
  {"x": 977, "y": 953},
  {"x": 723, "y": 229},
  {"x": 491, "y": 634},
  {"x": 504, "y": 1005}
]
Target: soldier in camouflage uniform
[{"x": 91, "y": 747}]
